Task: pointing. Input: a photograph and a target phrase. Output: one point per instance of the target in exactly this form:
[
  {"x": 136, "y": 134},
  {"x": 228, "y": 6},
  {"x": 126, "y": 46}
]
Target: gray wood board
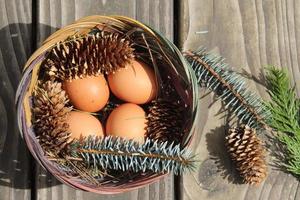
[
  {"x": 250, "y": 35},
  {"x": 15, "y": 47},
  {"x": 54, "y": 14}
]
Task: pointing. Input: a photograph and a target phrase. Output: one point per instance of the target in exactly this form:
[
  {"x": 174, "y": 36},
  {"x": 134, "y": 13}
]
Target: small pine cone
[
  {"x": 246, "y": 150},
  {"x": 165, "y": 121},
  {"x": 95, "y": 54},
  {"x": 50, "y": 111}
]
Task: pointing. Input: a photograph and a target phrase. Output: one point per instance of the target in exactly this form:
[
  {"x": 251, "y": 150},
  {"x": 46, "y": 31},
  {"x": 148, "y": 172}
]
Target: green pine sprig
[
  {"x": 285, "y": 116},
  {"x": 127, "y": 155},
  {"x": 214, "y": 74}
]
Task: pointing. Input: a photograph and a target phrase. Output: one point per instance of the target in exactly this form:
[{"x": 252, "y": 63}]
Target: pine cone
[
  {"x": 247, "y": 152},
  {"x": 50, "y": 111},
  {"x": 94, "y": 54},
  {"x": 165, "y": 121}
]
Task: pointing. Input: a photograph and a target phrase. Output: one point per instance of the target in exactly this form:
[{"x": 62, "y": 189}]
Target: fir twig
[
  {"x": 214, "y": 74},
  {"x": 285, "y": 118},
  {"x": 119, "y": 154}
]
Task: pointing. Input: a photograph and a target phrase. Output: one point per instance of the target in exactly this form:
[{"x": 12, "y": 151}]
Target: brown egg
[
  {"x": 83, "y": 124},
  {"x": 88, "y": 94},
  {"x": 135, "y": 84},
  {"x": 127, "y": 121}
]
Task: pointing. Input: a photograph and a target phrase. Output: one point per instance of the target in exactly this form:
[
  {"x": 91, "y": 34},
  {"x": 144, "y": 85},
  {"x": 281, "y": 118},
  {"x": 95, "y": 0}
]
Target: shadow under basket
[{"x": 168, "y": 63}]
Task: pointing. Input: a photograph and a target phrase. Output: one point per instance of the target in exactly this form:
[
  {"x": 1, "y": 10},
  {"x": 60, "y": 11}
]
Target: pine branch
[
  {"x": 119, "y": 154},
  {"x": 285, "y": 105},
  {"x": 285, "y": 118},
  {"x": 214, "y": 74}
]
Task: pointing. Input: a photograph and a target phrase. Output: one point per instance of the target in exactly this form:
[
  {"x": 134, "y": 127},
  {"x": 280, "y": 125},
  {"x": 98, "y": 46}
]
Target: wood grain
[
  {"x": 250, "y": 35},
  {"x": 54, "y": 14},
  {"x": 15, "y": 47}
]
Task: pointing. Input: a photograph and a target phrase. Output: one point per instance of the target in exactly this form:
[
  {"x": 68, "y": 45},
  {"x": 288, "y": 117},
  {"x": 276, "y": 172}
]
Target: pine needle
[
  {"x": 126, "y": 155},
  {"x": 214, "y": 74},
  {"x": 285, "y": 116}
]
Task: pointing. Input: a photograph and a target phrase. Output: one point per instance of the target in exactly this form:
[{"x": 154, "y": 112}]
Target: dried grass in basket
[{"x": 172, "y": 73}]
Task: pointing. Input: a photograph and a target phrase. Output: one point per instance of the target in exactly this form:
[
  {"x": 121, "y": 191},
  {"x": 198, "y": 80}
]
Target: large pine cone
[
  {"x": 247, "y": 152},
  {"x": 49, "y": 115},
  {"x": 94, "y": 54}
]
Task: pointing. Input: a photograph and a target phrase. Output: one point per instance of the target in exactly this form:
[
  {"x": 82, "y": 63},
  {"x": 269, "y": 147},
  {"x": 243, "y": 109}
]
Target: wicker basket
[{"x": 184, "y": 83}]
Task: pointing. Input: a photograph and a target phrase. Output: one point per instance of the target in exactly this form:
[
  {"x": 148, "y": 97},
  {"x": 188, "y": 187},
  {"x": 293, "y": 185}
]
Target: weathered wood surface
[
  {"x": 250, "y": 35},
  {"x": 15, "y": 47},
  {"x": 53, "y": 14}
]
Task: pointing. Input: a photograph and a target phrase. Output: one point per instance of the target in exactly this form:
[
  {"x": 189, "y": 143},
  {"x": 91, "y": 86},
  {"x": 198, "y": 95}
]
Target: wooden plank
[
  {"x": 250, "y": 35},
  {"x": 15, "y": 47},
  {"x": 54, "y": 14}
]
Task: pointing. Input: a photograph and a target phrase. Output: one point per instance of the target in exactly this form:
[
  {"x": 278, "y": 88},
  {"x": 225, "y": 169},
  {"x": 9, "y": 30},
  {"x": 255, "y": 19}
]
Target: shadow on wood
[
  {"x": 17, "y": 167},
  {"x": 15, "y": 47},
  {"x": 260, "y": 79},
  {"x": 218, "y": 156}
]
